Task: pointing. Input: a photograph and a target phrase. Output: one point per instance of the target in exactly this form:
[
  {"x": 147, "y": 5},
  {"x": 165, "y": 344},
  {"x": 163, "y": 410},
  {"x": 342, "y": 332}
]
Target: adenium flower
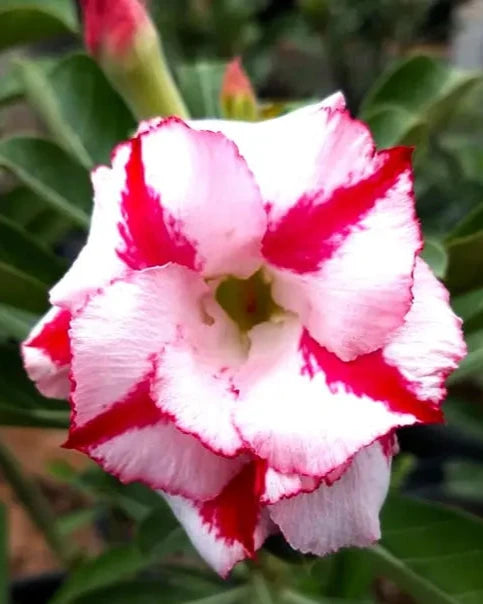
[{"x": 248, "y": 324}]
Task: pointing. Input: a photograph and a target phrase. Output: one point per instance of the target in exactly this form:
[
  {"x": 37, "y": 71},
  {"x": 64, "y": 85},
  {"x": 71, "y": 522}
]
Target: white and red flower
[{"x": 248, "y": 324}]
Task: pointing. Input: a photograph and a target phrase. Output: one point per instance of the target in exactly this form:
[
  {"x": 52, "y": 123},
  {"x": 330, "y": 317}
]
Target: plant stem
[
  {"x": 421, "y": 589},
  {"x": 261, "y": 590},
  {"x": 144, "y": 80}
]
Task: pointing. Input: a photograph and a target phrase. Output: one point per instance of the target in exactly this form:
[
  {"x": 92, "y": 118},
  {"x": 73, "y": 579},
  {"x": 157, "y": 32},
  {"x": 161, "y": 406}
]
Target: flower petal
[
  {"x": 232, "y": 526},
  {"x": 314, "y": 148},
  {"x": 161, "y": 316},
  {"x": 134, "y": 440},
  {"x": 202, "y": 403},
  {"x": 206, "y": 186},
  {"x": 307, "y": 412},
  {"x": 342, "y": 262},
  {"x": 430, "y": 344},
  {"x": 173, "y": 194},
  {"x": 117, "y": 334},
  {"x": 342, "y": 515},
  {"x": 342, "y": 226},
  {"x": 46, "y": 354},
  {"x": 280, "y": 486},
  {"x": 98, "y": 262}
]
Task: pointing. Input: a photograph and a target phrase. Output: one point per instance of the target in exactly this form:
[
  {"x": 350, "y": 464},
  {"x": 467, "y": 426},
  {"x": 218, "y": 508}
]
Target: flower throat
[{"x": 248, "y": 302}]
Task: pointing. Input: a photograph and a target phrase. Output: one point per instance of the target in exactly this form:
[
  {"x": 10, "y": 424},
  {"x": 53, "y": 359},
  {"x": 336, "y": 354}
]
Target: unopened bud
[
  {"x": 120, "y": 35},
  {"x": 237, "y": 98}
]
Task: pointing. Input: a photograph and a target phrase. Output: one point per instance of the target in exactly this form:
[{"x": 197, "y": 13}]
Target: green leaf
[
  {"x": 20, "y": 402},
  {"x": 292, "y": 597},
  {"x": 68, "y": 523},
  {"x": 79, "y": 107},
  {"x": 423, "y": 87},
  {"x": 25, "y": 21},
  {"x": 144, "y": 591},
  {"x": 200, "y": 86},
  {"x": 30, "y": 211},
  {"x": 468, "y": 155},
  {"x": 464, "y": 481},
  {"x": 465, "y": 263},
  {"x": 469, "y": 307},
  {"x": 47, "y": 104},
  {"x": 469, "y": 367},
  {"x": 135, "y": 499},
  {"x": 89, "y": 106},
  {"x": 432, "y": 552},
  {"x": 469, "y": 304},
  {"x": 435, "y": 255},
  {"x": 471, "y": 223},
  {"x": 15, "y": 323},
  {"x": 261, "y": 590},
  {"x": 393, "y": 125},
  {"x": 11, "y": 88},
  {"x": 21, "y": 290},
  {"x": 119, "y": 562},
  {"x": 24, "y": 253},
  {"x": 148, "y": 591},
  {"x": 159, "y": 533},
  {"x": 34, "y": 418},
  {"x": 50, "y": 173},
  {"x": 232, "y": 596},
  {"x": 22, "y": 206},
  {"x": 350, "y": 574},
  {"x": 465, "y": 415}
]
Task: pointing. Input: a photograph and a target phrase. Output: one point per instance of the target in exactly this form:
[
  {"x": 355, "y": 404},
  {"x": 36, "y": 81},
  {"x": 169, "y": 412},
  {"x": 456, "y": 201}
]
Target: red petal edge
[{"x": 368, "y": 375}]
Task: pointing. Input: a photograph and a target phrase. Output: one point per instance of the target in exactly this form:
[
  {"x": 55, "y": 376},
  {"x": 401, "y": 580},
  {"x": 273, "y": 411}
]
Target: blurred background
[{"x": 411, "y": 68}]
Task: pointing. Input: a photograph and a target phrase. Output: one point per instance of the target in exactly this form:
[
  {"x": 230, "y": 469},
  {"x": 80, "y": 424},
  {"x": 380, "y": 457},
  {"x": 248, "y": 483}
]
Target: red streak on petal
[
  {"x": 234, "y": 514},
  {"x": 54, "y": 340},
  {"x": 311, "y": 231},
  {"x": 368, "y": 375},
  {"x": 151, "y": 236},
  {"x": 136, "y": 410}
]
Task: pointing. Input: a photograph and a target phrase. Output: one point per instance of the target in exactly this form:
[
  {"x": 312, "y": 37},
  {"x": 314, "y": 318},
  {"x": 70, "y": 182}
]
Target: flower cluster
[{"x": 248, "y": 324}]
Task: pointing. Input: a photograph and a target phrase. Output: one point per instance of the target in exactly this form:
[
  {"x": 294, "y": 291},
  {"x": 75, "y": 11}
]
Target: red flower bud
[
  {"x": 111, "y": 26},
  {"x": 238, "y": 99},
  {"x": 120, "y": 35}
]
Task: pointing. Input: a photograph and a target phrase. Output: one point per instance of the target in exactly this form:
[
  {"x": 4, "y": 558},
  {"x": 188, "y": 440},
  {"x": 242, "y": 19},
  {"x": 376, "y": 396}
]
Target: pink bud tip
[
  {"x": 236, "y": 82},
  {"x": 112, "y": 24}
]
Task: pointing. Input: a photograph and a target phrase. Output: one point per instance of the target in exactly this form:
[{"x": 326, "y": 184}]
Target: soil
[{"x": 35, "y": 450}]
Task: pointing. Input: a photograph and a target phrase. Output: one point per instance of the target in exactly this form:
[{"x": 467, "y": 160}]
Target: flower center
[{"x": 247, "y": 301}]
